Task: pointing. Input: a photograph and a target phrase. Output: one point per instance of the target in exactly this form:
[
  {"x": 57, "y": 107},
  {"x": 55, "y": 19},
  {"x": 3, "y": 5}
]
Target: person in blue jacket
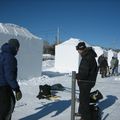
[{"x": 8, "y": 79}]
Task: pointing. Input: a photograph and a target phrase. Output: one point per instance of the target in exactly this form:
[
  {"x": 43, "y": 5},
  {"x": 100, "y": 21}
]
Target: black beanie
[
  {"x": 81, "y": 46},
  {"x": 14, "y": 43}
]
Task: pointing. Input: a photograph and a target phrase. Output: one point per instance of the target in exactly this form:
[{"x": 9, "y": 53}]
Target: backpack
[
  {"x": 44, "y": 91},
  {"x": 95, "y": 96}
]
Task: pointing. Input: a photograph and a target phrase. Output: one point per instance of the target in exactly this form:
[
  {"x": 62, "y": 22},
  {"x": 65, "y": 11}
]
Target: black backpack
[
  {"x": 44, "y": 91},
  {"x": 96, "y": 113}
]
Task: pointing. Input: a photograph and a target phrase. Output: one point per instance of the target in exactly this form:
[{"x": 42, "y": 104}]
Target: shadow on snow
[
  {"x": 53, "y": 74},
  {"x": 109, "y": 101},
  {"x": 58, "y": 107}
]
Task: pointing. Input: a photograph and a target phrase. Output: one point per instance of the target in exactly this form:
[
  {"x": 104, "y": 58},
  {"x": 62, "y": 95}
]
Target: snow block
[{"x": 30, "y": 52}]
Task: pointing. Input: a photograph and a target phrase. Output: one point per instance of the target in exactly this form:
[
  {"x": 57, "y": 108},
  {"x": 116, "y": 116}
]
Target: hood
[
  {"x": 6, "y": 48},
  {"x": 89, "y": 52}
]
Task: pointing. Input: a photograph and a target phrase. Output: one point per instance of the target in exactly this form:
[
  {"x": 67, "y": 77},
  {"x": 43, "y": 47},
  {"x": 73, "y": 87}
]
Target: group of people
[
  {"x": 105, "y": 69},
  {"x": 86, "y": 77},
  {"x": 10, "y": 90}
]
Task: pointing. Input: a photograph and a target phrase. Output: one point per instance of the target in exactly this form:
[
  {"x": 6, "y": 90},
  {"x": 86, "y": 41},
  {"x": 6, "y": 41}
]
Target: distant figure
[
  {"x": 86, "y": 78},
  {"x": 100, "y": 59},
  {"x": 8, "y": 79},
  {"x": 103, "y": 65},
  {"x": 114, "y": 65}
]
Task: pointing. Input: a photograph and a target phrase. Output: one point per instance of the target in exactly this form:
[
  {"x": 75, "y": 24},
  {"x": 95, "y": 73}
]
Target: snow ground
[{"x": 31, "y": 108}]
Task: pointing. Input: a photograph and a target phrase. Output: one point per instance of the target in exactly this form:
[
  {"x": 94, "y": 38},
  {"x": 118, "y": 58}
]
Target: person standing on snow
[
  {"x": 103, "y": 66},
  {"x": 116, "y": 66},
  {"x": 100, "y": 59},
  {"x": 8, "y": 79},
  {"x": 86, "y": 78},
  {"x": 113, "y": 65}
]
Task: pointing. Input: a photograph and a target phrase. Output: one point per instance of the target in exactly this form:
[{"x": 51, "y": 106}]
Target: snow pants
[
  {"x": 7, "y": 103},
  {"x": 84, "y": 98},
  {"x": 103, "y": 71}
]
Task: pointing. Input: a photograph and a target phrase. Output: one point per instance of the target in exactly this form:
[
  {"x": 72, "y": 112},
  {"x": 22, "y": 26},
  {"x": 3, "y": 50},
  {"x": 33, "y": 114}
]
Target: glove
[{"x": 18, "y": 95}]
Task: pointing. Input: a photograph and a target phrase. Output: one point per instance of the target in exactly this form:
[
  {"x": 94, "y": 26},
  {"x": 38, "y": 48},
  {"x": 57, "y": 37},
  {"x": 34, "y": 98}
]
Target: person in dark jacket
[
  {"x": 100, "y": 59},
  {"x": 103, "y": 65},
  {"x": 8, "y": 79},
  {"x": 86, "y": 78}
]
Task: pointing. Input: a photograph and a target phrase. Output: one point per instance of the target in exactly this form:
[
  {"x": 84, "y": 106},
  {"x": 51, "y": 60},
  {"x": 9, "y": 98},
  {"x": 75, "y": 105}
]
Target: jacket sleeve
[
  {"x": 83, "y": 70},
  {"x": 10, "y": 70}
]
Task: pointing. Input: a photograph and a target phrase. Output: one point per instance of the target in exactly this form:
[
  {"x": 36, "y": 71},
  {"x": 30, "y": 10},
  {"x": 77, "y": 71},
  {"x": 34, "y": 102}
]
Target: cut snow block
[
  {"x": 30, "y": 52},
  {"x": 67, "y": 58}
]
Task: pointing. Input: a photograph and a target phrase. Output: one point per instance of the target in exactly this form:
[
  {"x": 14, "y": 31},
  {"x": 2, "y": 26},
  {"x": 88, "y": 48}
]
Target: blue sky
[{"x": 95, "y": 21}]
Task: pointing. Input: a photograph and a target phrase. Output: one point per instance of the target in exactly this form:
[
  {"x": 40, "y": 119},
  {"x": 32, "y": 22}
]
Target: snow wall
[
  {"x": 67, "y": 58},
  {"x": 30, "y": 52}
]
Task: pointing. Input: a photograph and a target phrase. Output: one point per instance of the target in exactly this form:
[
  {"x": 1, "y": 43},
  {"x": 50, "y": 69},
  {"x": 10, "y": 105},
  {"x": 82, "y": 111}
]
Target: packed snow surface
[{"x": 31, "y": 108}]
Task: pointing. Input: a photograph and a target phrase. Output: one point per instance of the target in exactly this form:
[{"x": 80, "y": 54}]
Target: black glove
[{"x": 18, "y": 95}]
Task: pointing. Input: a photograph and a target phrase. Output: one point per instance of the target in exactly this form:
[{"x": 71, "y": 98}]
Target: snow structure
[
  {"x": 67, "y": 58},
  {"x": 111, "y": 54},
  {"x": 30, "y": 54},
  {"x": 119, "y": 57}
]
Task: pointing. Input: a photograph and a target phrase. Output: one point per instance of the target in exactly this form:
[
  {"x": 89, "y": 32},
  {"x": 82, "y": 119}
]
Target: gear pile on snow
[
  {"x": 95, "y": 96},
  {"x": 46, "y": 91}
]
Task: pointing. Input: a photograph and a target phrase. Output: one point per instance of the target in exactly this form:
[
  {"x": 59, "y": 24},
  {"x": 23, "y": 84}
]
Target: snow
[
  {"x": 31, "y": 108},
  {"x": 119, "y": 57},
  {"x": 111, "y": 53},
  {"x": 30, "y": 66},
  {"x": 30, "y": 52},
  {"x": 12, "y": 29},
  {"x": 70, "y": 57}
]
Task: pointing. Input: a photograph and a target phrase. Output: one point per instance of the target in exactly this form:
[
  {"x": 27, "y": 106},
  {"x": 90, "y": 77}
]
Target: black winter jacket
[{"x": 88, "y": 68}]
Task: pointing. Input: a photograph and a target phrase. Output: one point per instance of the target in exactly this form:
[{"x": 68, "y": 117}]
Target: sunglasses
[{"x": 80, "y": 48}]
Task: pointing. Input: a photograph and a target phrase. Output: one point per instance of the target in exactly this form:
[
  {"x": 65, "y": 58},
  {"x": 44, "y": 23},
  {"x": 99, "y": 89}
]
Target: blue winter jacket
[{"x": 8, "y": 67}]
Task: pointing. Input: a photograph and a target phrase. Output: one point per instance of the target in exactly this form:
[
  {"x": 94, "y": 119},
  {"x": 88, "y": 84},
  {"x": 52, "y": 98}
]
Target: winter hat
[
  {"x": 81, "y": 46},
  {"x": 14, "y": 43}
]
